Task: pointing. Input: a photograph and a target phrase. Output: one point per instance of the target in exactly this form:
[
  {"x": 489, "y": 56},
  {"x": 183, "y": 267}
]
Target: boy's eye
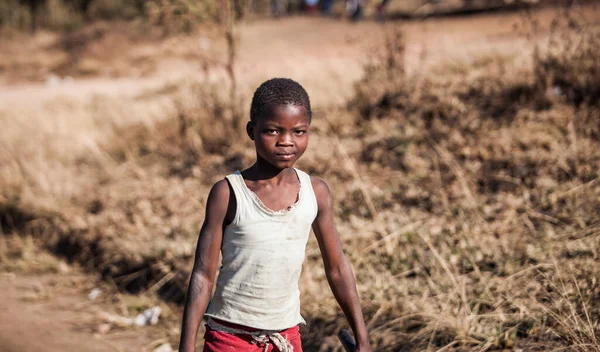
[
  {"x": 299, "y": 132},
  {"x": 271, "y": 131}
]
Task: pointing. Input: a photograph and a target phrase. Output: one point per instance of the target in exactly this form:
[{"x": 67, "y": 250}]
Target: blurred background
[{"x": 461, "y": 141}]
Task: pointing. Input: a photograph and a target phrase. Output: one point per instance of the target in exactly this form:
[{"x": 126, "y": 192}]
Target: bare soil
[
  {"x": 326, "y": 55},
  {"x": 52, "y": 312}
]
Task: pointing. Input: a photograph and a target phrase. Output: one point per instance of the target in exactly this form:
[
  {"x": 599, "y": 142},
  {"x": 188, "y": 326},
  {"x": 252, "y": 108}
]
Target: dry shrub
[
  {"x": 569, "y": 294},
  {"x": 567, "y": 66},
  {"x": 488, "y": 179},
  {"x": 198, "y": 127},
  {"x": 180, "y": 141},
  {"x": 51, "y": 14},
  {"x": 567, "y": 69},
  {"x": 384, "y": 74},
  {"x": 181, "y": 15},
  {"x": 61, "y": 15},
  {"x": 174, "y": 16},
  {"x": 186, "y": 151}
]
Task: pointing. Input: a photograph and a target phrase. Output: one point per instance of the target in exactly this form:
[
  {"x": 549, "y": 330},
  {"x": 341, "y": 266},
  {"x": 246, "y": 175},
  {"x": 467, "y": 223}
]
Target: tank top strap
[
  {"x": 240, "y": 190},
  {"x": 306, "y": 188}
]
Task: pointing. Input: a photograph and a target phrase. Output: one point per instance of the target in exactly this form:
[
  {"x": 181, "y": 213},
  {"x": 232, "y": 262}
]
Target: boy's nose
[{"x": 285, "y": 139}]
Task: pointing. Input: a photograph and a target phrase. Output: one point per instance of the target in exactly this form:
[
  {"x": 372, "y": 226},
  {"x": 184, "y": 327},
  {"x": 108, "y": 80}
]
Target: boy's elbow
[
  {"x": 207, "y": 280},
  {"x": 200, "y": 284},
  {"x": 334, "y": 276},
  {"x": 338, "y": 271}
]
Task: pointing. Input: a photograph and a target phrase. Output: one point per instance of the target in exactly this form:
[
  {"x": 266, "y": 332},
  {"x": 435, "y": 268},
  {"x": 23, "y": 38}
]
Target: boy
[{"x": 260, "y": 220}]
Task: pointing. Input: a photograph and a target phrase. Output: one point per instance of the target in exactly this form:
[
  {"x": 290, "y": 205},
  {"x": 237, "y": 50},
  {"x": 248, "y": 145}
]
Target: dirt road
[
  {"x": 53, "y": 313},
  {"x": 326, "y": 55}
]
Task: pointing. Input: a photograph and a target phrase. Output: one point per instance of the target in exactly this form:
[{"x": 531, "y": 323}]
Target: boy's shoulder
[
  {"x": 220, "y": 190},
  {"x": 319, "y": 186},
  {"x": 318, "y": 182},
  {"x": 221, "y": 200}
]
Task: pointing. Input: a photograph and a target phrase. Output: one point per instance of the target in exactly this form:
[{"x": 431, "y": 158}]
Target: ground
[{"x": 52, "y": 312}]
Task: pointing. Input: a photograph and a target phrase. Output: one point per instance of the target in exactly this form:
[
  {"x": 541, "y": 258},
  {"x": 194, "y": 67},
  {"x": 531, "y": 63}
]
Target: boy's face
[{"x": 281, "y": 137}]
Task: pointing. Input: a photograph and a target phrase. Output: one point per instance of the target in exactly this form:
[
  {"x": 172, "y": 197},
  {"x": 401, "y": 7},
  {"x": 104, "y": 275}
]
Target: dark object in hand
[{"x": 347, "y": 341}]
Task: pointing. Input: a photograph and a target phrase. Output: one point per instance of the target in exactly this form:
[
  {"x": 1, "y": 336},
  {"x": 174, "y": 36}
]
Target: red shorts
[{"x": 218, "y": 341}]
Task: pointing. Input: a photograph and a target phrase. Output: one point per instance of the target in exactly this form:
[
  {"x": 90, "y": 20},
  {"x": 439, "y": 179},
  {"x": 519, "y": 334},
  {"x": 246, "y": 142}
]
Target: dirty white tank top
[{"x": 263, "y": 251}]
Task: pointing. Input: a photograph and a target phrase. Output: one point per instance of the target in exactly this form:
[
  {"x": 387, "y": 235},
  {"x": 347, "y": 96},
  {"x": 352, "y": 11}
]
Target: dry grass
[
  {"x": 184, "y": 15},
  {"x": 467, "y": 197},
  {"x": 487, "y": 165},
  {"x": 61, "y": 15},
  {"x": 105, "y": 49}
]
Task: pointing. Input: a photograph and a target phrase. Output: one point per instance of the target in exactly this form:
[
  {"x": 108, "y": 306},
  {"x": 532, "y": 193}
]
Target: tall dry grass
[
  {"x": 172, "y": 15},
  {"x": 502, "y": 201}
]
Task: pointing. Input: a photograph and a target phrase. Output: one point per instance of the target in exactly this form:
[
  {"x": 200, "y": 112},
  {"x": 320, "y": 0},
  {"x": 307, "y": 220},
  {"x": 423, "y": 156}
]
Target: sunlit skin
[{"x": 280, "y": 138}]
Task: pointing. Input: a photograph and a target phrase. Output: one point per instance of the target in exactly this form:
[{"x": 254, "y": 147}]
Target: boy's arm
[
  {"x": 338, "y": 270},
  {"x": 205, "y": 264}
]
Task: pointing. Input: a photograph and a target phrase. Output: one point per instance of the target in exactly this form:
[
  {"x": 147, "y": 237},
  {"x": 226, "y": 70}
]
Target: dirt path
[
  {"x": 51, "y": 312},
  {"x": 40, "y": 326},
  {"x": 325, "y": 54}
]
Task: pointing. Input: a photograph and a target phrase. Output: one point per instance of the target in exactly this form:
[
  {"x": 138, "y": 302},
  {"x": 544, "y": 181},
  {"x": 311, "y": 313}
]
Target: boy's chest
[{"x": 277, "y": 198}]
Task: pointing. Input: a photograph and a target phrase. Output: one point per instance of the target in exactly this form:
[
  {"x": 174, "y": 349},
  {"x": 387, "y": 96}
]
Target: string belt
[{"x": 260, "y": 336}]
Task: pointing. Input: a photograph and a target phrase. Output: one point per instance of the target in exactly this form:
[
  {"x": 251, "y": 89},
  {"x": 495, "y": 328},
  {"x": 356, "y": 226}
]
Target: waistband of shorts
[{"x": 247, "y": 328}]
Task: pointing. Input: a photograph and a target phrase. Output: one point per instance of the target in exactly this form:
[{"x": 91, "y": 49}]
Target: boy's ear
[{"x": 250, "y": 129}]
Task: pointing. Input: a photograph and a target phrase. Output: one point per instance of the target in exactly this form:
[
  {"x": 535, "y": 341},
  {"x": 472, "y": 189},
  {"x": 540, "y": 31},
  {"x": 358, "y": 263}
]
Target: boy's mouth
[{"x": 285, "y": 156}]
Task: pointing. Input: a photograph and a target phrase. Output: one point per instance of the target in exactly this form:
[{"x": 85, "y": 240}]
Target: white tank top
[{"x": 263, "y": 251}]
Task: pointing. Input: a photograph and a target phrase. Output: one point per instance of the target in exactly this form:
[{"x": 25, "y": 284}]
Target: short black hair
[{"x": 277, "y": 92}]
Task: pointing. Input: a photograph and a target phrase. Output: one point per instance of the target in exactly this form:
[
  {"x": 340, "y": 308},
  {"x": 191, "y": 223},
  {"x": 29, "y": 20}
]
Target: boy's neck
[{"x": 264, "y": 171}]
